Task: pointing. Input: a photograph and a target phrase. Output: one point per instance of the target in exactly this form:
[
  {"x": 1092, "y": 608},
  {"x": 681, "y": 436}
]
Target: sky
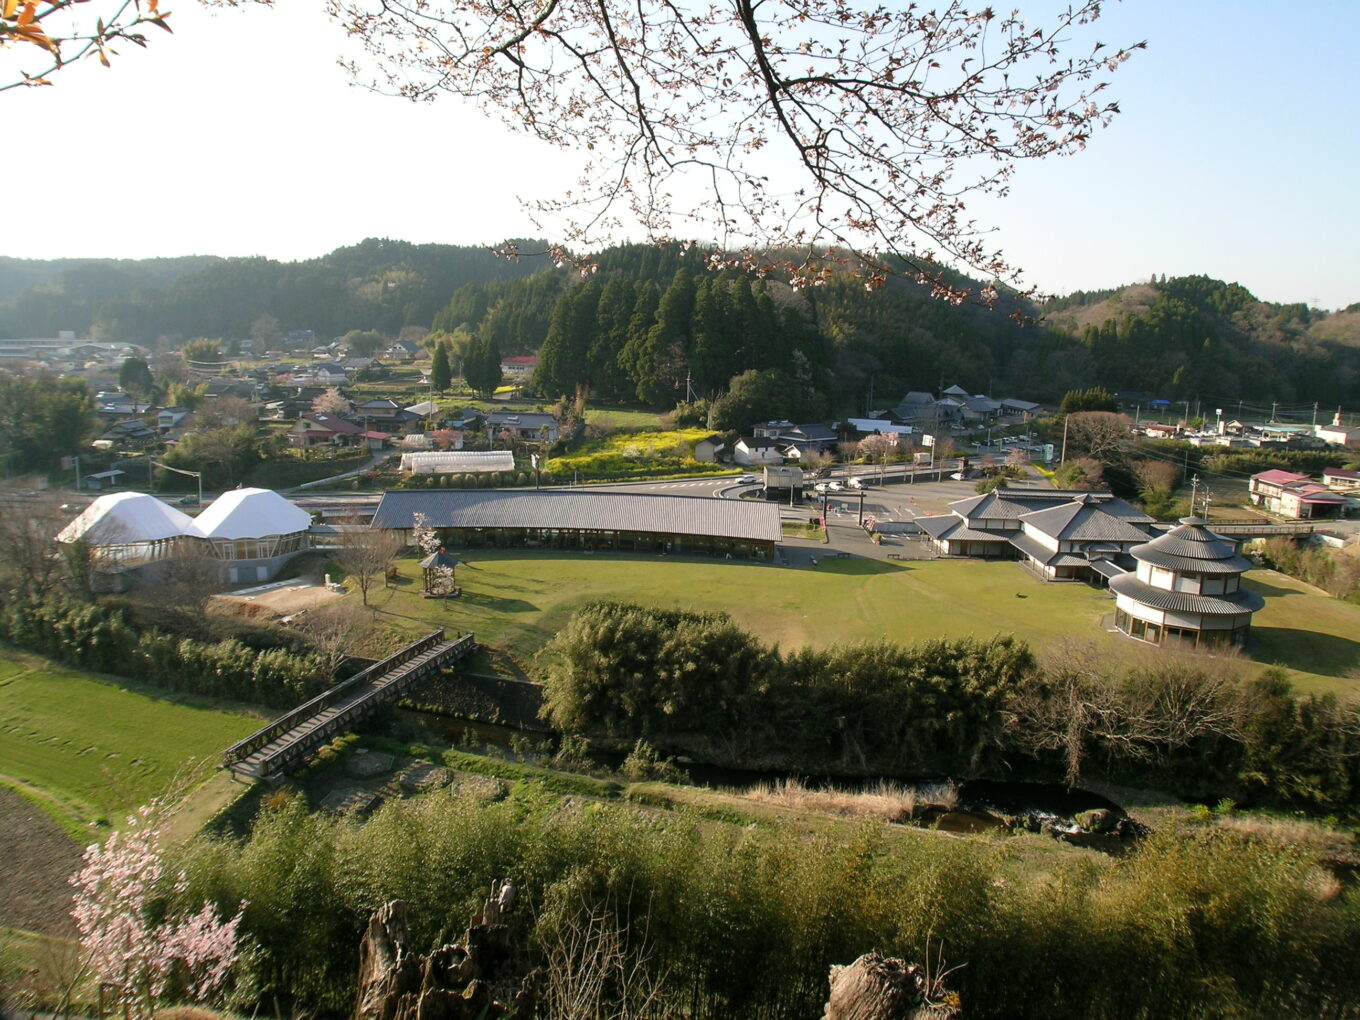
[{"x": 1235, "y": 156}]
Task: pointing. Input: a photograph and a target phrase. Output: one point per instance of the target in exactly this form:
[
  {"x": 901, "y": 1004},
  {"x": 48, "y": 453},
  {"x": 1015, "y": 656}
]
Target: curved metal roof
[
  {"x": 575, "y": 509},
  {"x": 1234, "y": 604}
]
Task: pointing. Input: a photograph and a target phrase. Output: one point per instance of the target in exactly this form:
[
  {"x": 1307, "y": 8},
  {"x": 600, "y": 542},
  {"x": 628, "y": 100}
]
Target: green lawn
[
  {"x": 518, "y": 600},
  {"x": 1310, "y": 633},
  {"x": 84, "y": 747}
]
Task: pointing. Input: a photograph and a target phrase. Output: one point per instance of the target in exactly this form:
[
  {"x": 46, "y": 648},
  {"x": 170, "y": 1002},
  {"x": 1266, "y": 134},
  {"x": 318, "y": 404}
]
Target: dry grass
[
  {"x": 886, "y": 801},
  {"x": 1291, "y": 832}
]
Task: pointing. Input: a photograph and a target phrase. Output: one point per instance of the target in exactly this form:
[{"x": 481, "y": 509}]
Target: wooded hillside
[{"x": 650, "y": 319}]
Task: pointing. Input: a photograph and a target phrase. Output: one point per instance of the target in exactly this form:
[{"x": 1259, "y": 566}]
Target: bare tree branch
[{"x": 893, "y": 118}]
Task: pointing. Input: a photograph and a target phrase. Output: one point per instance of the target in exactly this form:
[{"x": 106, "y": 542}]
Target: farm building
[{"x": 629, "y": 522}]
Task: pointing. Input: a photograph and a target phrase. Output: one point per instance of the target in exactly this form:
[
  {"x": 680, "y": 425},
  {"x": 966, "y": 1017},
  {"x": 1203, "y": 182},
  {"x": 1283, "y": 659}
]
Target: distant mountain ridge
[
  {"x": 376, "y": 284},
  {"x": 1176, "y": 338}
]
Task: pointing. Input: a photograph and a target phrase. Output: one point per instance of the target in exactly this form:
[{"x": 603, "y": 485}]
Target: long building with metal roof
[{"x": 584, "y": 519}]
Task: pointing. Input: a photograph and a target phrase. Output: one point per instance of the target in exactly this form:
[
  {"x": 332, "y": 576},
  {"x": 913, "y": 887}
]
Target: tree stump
[
  {"x": 875, "y": 988},
  {"x": 455, "y": 982}
]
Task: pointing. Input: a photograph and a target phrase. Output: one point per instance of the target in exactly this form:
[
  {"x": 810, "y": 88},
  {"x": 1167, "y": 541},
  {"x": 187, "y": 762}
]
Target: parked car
[
  {"x": 856, "y": 483},
  {"x": 834, "y": 486}
]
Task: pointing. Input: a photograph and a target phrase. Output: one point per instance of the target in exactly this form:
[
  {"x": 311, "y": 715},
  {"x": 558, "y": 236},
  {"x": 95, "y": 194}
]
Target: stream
[{"x": 982, "y": 805}]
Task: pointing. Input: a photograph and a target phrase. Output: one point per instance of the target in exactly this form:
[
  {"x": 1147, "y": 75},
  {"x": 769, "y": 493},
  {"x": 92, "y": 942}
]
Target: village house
[
  {"x": 403, "y": 350},
  {"x": 1293, "y": 495},
  {"x": 321, "y": 429},
  {"x": 1339, "y": 435},
  {"x": 131, "y": 434},
  {"x": 381, "y": 413},
  {"x": 523, "y": 426},
  {"x": 796, "y": 441},
  {"x": 518, "y": 368},
  {"x": 706, "y": 450},
  {"x": 757, "y": 451}
]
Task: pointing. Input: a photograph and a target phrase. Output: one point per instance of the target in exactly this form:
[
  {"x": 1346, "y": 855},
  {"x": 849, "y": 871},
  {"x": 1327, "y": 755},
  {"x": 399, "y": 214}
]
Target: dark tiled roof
[
  {"x": 1192, "y": 548},
  {"x": 592, "y": 511},
  {"x": 1010, "y": 504},
  {"x": 1241, "y": 601},
  {"x": 1042, "y": 554},
  {"x": 1083, "y": 521},
  {"x": 955, "y": 529},
  {"x": 1107, "y": 569}
]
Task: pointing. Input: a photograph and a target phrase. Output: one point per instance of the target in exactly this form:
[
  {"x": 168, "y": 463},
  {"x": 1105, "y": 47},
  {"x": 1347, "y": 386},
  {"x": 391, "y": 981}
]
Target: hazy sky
[{"x": 1237, "y": 154}]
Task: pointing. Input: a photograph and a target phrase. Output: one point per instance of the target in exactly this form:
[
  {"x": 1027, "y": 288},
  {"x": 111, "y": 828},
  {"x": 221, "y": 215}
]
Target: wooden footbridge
[{"x": 285, "y": 742}]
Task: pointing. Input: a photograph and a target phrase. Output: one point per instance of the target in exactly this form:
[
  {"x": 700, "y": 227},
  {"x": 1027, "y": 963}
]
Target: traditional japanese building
[{"x": 1186, "y": 590}]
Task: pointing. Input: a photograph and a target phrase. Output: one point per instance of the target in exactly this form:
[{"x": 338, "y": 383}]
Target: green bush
[
  {"x": 92, "y": 636},
  {"x": 745, "y": 922}
]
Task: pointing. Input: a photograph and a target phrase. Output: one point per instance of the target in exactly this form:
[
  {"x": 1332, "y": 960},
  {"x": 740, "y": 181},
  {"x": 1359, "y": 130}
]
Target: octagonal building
[{"x": 1186, "y": 590}]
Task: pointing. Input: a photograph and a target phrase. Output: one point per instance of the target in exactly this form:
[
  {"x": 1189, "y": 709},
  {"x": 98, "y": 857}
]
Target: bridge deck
[{"x": 283, "y": 743}]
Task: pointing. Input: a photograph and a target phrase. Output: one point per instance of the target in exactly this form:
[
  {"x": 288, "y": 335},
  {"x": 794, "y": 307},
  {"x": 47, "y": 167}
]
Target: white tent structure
[
  {"x": 130, "y": 528},
  {"x": 254, "y": 531}
]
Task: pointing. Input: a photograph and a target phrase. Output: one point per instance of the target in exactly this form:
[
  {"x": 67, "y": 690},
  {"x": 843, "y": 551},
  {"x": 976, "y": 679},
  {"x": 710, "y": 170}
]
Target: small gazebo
[{"x": 435, "y": 565}]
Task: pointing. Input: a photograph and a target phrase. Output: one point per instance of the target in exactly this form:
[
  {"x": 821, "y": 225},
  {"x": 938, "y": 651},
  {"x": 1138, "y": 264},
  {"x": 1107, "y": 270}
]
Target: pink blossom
[{"x": 128, "y": 952}]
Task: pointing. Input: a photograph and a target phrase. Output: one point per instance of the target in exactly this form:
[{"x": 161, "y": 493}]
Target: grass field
[
  {"x": 85, "y": 748},
  {"x": 517, "y": 601},
  {"x": 623, "y": 420}
]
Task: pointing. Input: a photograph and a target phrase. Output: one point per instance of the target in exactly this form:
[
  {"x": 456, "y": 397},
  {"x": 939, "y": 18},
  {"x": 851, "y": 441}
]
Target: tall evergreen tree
[
  {"x": 482, "y": 365},
  {"x": 441, "y": 369},
  {"x": 661, "y": 368},
  {"x": 712, "y": 354},
  {"x": 604, "y": 359},
  {"x": 633, "y": 358}
]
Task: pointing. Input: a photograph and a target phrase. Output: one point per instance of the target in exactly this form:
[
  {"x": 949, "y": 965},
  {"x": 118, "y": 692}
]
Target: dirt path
[{"x": 38, "y": 860}]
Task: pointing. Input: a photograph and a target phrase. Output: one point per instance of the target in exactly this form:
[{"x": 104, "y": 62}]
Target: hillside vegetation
[{"x": 652, "y": 321}]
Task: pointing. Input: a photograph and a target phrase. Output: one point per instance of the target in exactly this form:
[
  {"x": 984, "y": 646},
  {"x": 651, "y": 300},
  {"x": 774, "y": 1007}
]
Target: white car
[
  {"x": 856, "y": 483},
  {"x": 746, "y": 480},
  {"x": 834, "y": 487}
]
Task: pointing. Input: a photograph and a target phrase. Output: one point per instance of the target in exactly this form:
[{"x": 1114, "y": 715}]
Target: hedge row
[{"x": 103, "y": 639}]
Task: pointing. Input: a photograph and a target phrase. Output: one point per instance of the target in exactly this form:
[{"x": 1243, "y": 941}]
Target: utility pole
[
  {"x": 192, "y": 474},
  {"x": 1063, "y": 458},
  {"x": 1194, "y": 493},
  {"x": 1315, "y": 409}
]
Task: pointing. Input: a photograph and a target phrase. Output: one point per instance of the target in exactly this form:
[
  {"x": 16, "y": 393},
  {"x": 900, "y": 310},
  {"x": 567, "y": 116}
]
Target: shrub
[{"x": 92, "y": 636}]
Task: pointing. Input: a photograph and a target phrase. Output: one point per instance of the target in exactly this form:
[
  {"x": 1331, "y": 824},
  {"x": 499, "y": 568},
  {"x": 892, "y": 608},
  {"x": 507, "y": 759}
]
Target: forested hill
[
  {"x": 651, "y": 316},
  {"x": 1193, "y": 335},
  {"x": 376, "y": 284}
]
